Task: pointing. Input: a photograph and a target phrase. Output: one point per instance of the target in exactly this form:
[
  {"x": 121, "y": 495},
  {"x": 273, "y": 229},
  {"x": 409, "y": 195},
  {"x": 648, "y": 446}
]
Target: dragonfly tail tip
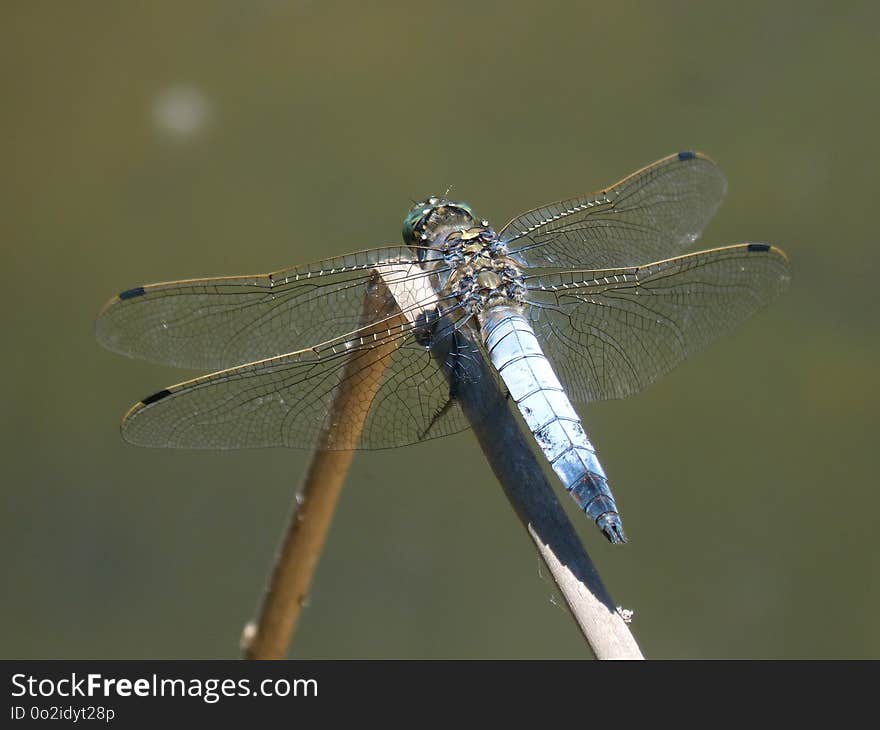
[{"x": 612, "y": 528}]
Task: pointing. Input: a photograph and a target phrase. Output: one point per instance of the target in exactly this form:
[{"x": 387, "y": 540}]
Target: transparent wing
[
  {"x": 609, "y": 333},
  {"x": 366, "y": 391},
  {"x": 220, "y": 322},
  {"x": 654, "y": 213}
]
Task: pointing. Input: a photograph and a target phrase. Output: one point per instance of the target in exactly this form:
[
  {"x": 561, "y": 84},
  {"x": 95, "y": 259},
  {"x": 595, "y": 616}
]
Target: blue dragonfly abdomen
[{"x": 534, "y": 387}]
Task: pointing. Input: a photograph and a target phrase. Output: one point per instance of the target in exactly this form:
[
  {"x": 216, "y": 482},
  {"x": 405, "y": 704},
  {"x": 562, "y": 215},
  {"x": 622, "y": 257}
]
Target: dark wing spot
[
  {"x": 132, "y": 293},
  {"x": 758, "y": 247},
  {"x": 156, "y": 396},
  {"x": 687, "y": 155}
]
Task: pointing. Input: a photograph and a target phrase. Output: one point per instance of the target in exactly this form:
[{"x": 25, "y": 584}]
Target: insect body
[{"x": 581, "y": 300}]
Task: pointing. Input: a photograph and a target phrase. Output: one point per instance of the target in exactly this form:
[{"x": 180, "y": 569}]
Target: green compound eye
[{"x": 416, "y": 215}]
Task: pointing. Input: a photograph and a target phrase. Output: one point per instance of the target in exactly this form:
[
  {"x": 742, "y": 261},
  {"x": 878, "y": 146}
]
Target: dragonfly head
[{"x": 430, "y": 221}]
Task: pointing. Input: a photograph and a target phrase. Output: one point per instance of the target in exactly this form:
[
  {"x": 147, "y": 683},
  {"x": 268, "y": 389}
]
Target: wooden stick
[
  {"x": 270, "y": 635},
  {"x": 512, "y": 459},
  {"x": 517, "y": 466}
]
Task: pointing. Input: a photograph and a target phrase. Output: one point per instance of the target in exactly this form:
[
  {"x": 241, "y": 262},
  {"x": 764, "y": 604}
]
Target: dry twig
[{"x": 512, "y": 459}]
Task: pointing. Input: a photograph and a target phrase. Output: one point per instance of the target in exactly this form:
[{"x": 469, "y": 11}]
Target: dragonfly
[{"x": 586, "y": 299}]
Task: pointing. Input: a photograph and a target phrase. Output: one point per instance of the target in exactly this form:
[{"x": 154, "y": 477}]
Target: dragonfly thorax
[{"x": 483, "y": 275}]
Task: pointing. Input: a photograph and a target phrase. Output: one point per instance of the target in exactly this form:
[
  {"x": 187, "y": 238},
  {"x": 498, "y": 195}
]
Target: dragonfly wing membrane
[
  {"x": 611, "y": 332},
  {"x": 653, "y": 213},
  {"x": 366, "y": 392},
  {"x": 221, "y": 322}
]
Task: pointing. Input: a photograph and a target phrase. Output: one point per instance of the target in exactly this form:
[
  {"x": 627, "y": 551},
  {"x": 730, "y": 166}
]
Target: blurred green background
[{"x": 152, "y": 141}]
